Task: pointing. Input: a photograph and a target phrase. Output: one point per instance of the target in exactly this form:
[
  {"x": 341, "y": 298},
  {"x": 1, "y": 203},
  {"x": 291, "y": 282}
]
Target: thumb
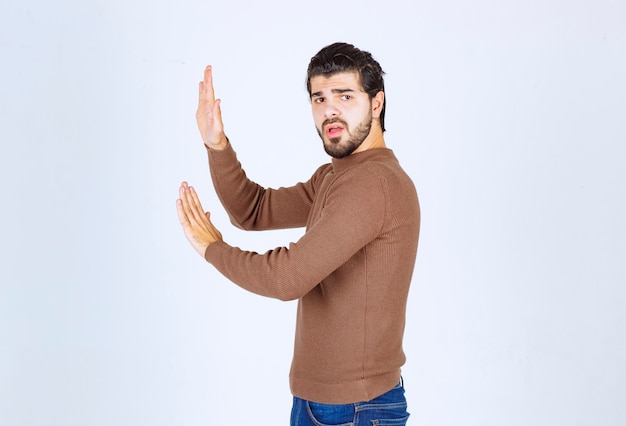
[{"x": 217, "y": 110}]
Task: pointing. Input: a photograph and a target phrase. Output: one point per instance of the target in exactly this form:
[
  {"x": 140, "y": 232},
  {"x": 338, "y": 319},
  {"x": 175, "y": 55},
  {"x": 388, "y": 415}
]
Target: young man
[{"x": 351, "y": 270}]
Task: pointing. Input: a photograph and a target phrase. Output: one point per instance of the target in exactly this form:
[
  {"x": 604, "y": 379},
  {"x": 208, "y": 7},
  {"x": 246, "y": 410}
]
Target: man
[{"x": 351, "y": 270}]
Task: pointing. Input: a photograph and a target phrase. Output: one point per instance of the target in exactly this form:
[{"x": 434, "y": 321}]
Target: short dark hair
[{"x": 344, "y": 57}]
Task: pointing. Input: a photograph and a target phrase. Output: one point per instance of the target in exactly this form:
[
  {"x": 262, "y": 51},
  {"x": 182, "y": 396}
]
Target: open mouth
[{"x": 334, "y": 130}]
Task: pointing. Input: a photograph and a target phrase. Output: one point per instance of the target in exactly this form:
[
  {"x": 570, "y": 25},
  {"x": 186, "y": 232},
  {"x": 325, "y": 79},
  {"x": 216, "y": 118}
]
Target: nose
[{"x": 330, "y": 110}]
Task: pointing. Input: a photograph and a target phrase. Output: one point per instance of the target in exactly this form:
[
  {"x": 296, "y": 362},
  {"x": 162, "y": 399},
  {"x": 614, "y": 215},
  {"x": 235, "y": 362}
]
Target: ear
[{"x": 377, "y": 104}]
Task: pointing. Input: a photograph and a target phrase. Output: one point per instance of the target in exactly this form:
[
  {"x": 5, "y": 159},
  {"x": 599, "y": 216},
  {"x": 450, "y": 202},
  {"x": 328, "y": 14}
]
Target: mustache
[{"x": 334, "y": 120}]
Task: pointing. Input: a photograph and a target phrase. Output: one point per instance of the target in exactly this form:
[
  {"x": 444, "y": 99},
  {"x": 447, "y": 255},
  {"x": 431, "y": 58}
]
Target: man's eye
[
  {"x": 346, "y": 97},
  {"x": 318, "y": 100}
]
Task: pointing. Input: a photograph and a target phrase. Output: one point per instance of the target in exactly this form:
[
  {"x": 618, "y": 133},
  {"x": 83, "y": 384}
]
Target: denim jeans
[{"x": 388, "y": 409}]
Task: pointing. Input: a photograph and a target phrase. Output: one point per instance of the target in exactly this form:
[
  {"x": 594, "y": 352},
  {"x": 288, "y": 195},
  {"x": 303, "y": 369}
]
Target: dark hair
[{"x": 344, "y": 57}]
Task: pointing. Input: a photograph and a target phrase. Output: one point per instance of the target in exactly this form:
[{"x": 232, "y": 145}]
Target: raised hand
[
  {"x": 209, "y": 114},
  {"x": 196, "y": 223}
]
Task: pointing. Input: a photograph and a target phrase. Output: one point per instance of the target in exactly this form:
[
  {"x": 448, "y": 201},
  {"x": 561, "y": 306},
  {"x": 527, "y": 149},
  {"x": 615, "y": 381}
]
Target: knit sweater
[{"x": 350, "y": 271}]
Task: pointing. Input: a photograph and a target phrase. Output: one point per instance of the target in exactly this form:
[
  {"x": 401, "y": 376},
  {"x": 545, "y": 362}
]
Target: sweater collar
[{"x": 340, "y": 164}]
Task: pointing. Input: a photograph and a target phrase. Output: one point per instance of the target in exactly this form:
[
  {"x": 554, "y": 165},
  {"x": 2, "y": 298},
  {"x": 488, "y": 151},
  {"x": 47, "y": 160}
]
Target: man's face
[{"x": 342, "y": 112}]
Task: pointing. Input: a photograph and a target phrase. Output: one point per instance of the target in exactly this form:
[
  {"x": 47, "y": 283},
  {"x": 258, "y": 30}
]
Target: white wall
[{"x": 510, "y": 117}]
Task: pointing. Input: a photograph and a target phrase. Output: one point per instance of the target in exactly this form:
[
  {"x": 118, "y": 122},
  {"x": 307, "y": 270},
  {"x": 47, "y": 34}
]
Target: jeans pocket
[
  {"x": 391, "y": 414},
  {"x": 331, "y": 415}
]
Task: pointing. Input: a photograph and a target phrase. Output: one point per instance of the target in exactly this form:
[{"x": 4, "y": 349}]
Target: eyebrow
[{"x": 315, "y": 94}]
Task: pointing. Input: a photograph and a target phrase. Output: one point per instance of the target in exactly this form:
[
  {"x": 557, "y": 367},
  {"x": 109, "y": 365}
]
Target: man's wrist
[
  {"x": 222, "y": 144},
  {"x": 206, "y": 249}
]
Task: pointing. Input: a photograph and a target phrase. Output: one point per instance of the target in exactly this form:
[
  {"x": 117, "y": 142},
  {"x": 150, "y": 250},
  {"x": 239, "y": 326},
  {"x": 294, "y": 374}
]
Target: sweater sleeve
[
  {"x": 352, "y": 215},
  {"x": 253, "y": 207}
]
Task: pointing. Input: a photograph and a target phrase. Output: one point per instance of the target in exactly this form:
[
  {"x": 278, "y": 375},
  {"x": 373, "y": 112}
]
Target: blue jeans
[{"x": 388, "y": 409}]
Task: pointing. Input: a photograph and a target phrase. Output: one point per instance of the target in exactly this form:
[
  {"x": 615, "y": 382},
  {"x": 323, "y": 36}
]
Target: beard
[{"x": 338, "y": 149}]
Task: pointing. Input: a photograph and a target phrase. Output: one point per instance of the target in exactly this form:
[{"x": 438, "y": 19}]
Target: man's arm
[
  {"x": 353, "y": 216},
  {"x": 249, "y": 205},
  {"x": 287, "y": 273}
]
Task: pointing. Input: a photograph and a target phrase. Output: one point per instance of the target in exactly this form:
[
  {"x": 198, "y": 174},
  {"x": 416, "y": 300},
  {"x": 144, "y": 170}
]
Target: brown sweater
[{"x": 350, "y": 271}]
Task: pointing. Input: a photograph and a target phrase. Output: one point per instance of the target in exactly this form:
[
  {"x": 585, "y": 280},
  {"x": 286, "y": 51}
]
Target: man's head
[{"x": 347, "y": 94}]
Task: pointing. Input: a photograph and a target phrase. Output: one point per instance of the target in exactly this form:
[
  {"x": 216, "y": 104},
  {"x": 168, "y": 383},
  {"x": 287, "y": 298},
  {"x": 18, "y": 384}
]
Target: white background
[{"x": 510, "y": 116}]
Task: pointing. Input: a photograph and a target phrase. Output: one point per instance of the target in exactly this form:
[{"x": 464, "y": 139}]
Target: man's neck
[{"x": 374, "y": 140}]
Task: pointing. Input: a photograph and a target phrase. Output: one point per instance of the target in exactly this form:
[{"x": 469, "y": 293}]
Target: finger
[
  {"x": 217, "y": 111},
  {"x": 205, "y": 103},
  {"x": 209, "y": 92},
  {"x": 199, "y": 214},
  {"x": 182, "y": 216},
  {"x": 215, "y": 233},
  {"x": 181, "y": 190},
  {"x": 188, "y": 207},
  {"x": 200, "y": 95},
  {"x": 185, "y": 203},
  {"x": 195, "y": 207},
  {"x": 208, "y": 78},
  {"x": 207, "y": 215},
  {"x": 206, "y": 96}
]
